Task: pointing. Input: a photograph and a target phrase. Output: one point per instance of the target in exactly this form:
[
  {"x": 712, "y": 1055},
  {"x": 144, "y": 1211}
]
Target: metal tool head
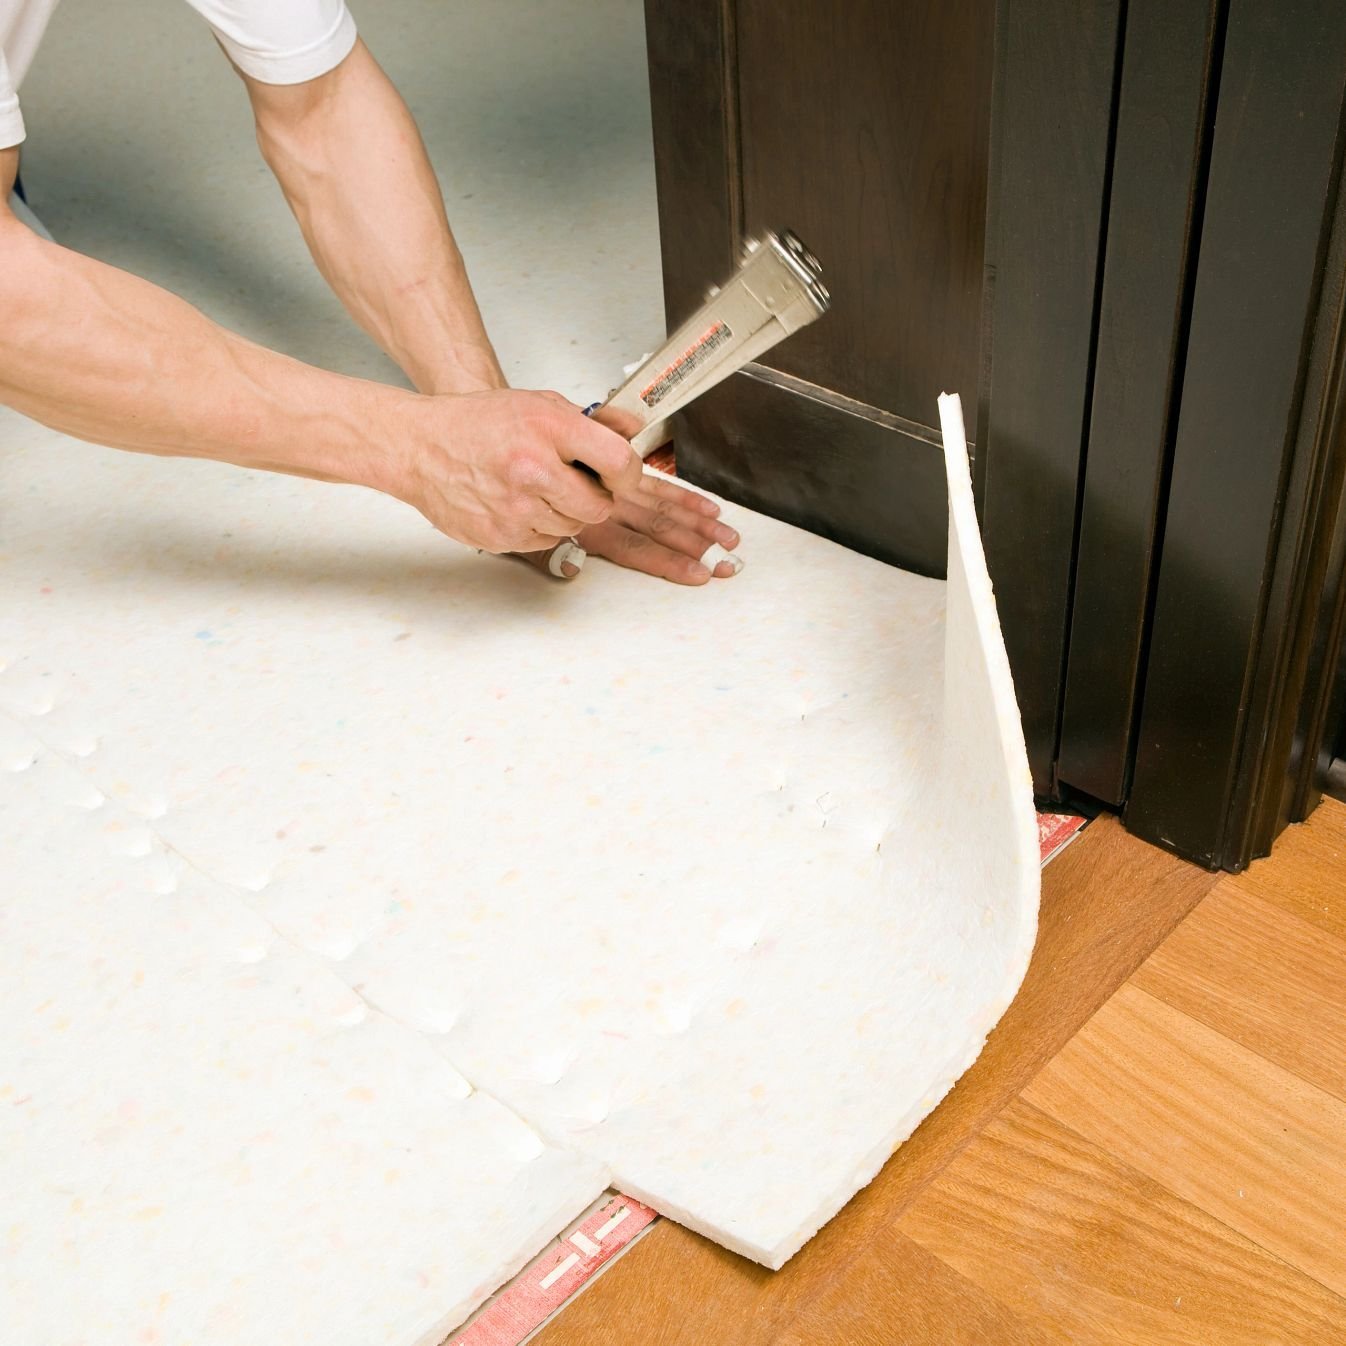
[{"x": 775, "y": 291}]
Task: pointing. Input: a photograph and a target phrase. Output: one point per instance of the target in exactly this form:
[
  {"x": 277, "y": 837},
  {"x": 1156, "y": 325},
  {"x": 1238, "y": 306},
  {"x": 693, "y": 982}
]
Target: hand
[
  {"x": 495, "y": 469},
  {"x": 659, "y": 528},
  {"x": 663, "y": 529}
]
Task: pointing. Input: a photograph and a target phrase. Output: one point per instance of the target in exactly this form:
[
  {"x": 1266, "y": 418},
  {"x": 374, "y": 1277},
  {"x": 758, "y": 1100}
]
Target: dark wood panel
[
  {"x": 1299, "y": 689},
  {"x": 1241, "y": 482},
  {"x": 812, "y": 458},
  {"x": 694, "y": 117},
  {"x": 864, "y": 128},
  {"x": 1158, "y": 178},
  {"x": 1055, "y": 67}
]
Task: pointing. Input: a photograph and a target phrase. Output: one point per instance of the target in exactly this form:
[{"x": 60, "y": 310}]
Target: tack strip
[
  {"x": 1056, "y": 831},
  {"x": 555, "y": 1275}
]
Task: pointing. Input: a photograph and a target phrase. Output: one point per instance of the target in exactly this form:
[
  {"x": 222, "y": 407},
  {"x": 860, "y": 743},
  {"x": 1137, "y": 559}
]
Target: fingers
[
  {"x": 675, "y": 527},
  {"x": 723, "y": 564},
  {"x": 578, "y": 497},
  {"x": 563, "y": 561},
  {"x": 661, "y": 488},
  {"x": 579, "y": 441},
  {"x": 623, "y": 422},
  {"x": 553, "y": 522},
  {"x": 583, "y": 440},
  {"x": 637, "y": 551},
  {"x": 538, "y": 542}
]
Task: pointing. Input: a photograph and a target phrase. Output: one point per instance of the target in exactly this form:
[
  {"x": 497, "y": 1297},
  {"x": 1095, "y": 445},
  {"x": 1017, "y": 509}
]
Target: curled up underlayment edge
[{"x": 721, "y": 926}]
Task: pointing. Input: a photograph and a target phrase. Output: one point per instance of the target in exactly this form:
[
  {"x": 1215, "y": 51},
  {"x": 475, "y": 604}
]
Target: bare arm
[
  {"x": 353, "y": 167},
  {"x": 100, "y": 354},
  {"x": 351, "y": 163}
]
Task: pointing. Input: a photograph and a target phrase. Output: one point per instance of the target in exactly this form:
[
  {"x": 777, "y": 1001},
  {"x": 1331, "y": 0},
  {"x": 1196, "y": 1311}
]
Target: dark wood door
[
  {"x": 863, "y": 127},
  {"x": 1119, "y": 227}
]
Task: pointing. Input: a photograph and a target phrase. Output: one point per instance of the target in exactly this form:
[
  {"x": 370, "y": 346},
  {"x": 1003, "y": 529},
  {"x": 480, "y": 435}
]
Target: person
[{"x": 100, "y": 354}]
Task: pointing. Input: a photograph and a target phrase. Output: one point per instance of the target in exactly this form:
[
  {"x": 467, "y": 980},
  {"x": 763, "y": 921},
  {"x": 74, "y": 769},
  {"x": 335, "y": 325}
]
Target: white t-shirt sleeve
[
  {"x": 281, "y": 41},
  {"x": 11, "y": 119}
]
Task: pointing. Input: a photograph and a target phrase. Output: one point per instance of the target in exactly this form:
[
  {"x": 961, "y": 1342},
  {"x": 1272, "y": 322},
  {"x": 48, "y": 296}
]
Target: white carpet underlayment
[{"x": 370, "y": 905}]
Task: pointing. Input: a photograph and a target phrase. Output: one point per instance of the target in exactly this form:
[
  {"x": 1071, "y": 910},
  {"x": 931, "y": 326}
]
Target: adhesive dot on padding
[
  {"x": 337, "y": 947},
  {"x": 528, "y": 1147},
  {"x": 549, "y": 1068},
  {"x": 354, "y": 1014}
]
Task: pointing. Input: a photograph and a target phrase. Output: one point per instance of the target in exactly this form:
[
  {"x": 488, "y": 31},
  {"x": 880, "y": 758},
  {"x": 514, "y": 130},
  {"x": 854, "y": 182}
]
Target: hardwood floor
[{"x": 1152, "y": 1148}]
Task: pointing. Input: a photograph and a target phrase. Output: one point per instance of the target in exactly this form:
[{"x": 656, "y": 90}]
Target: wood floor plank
[
  {"x": 1107, "y": 902},
  {"x": 1306, "y": 872},
  {"x": 1262, "y": 976},
  {"x": 1083, "y": 1247},
  {"x": 897, "y": 1291},
  {"x": 1220, "y": 1126}
]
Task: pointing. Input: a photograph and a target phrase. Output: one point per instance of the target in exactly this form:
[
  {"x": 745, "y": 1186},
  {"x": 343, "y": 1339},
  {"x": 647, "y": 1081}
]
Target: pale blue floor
[{"x": 141, "y": 153}]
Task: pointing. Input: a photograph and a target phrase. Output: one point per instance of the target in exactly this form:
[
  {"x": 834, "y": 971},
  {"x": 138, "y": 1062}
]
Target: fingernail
[
  {"x": 566, "y": 560},
  {"x": 715, "y": 556},
  {"x": 698, "y": 572},
  {"x": 728, "y": 536}
]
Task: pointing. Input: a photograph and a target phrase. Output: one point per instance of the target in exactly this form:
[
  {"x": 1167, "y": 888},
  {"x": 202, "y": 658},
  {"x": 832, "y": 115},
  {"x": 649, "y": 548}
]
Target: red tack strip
[
  {"x": 1055, "y": 831},
  {"x": 554, "y": 1275},
  {"x": 662, "y": 460}
]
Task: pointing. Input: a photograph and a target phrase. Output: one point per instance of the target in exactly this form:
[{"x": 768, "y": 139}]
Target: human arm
[
  {"x": 352, "y": 166},
  {"x": 102, "y": 355},
  {"x": 350, "y": 161}
]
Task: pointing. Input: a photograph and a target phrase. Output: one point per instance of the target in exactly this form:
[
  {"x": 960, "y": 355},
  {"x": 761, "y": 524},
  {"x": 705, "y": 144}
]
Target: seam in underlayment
[
  {"x": 554, "y": 1137},
  {"x": 80, "y": 765}
]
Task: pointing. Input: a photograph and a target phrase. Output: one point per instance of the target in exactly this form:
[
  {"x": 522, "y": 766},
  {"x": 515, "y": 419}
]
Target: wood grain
[
  {"x": 1153, "y": 206},
  {"x": 1090, "y": 1251},
  {"x": 897, "y": 1291},
  {"x": 1263, "y": 977},
  {"x": 1216, "y": 1124},
  {"x": 1107, "y": 902},
  {"x": 1307, "y": 872},
  {"x": 1051, "y": 120},
  {"x": 865, "y": 129}
]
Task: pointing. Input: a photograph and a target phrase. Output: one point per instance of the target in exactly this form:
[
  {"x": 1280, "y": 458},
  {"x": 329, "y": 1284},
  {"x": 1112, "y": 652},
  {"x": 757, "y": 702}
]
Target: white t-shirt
[{"x": 275, "y": 41}]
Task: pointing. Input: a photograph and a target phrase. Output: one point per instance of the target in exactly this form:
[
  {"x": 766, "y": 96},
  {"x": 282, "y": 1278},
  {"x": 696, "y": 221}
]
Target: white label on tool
[{"x": 687, "y": 363}]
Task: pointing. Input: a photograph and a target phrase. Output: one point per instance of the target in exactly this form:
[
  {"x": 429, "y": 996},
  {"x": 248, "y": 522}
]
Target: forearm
[
  {"x": 352, "y": 165},
  {"x": 107, "y": 357}
]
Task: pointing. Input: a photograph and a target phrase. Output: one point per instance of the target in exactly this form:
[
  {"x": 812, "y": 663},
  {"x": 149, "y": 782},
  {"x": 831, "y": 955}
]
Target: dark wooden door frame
[
  {"x": 1162, "y": 470},
  {"x": 1052, "y": 126},
  {"x": 1168, "y": 83},
  {"x": 1255, "y": 489}
]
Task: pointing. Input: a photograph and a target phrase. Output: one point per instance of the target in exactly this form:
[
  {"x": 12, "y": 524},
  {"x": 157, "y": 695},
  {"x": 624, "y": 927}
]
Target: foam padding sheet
[
  {"x": 204, "y": 1135},
  {"x": 712, "y": 894}
]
